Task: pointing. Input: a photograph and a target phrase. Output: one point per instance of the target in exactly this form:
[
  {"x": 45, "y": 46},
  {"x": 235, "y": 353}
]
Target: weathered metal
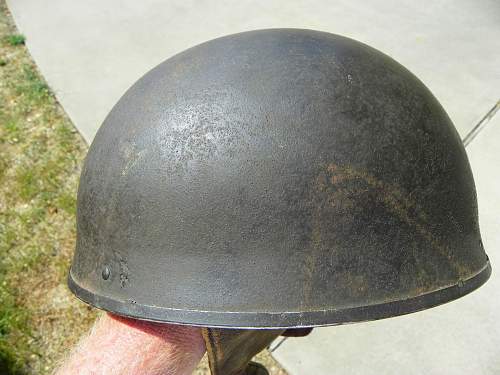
[{"x": 276, "y": 179}]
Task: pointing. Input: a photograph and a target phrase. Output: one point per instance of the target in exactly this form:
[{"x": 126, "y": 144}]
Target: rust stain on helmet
[{"x": 276, "y": 179}]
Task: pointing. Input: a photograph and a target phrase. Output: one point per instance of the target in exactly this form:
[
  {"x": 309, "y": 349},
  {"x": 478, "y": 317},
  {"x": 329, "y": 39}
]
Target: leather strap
[{"x": 230, "y": 350}]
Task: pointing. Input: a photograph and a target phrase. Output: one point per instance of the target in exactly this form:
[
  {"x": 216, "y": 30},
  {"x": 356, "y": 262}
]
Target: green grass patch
[
  {"x": 15, "y": 39},
  {"x": 13, "y": 323}
]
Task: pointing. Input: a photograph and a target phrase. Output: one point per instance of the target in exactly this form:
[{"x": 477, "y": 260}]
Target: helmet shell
[{"x": 276, "y": 178}]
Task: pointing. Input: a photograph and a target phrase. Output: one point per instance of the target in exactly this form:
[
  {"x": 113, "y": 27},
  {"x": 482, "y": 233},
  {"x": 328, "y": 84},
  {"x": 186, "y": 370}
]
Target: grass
[
  {"x": 40, "y": 158},
  {"x": 15, "y": 39}
]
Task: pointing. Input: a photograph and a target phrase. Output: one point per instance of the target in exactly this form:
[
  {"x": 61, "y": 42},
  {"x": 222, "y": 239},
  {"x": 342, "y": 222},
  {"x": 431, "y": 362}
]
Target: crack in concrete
[{"x": 481, "y": 124}]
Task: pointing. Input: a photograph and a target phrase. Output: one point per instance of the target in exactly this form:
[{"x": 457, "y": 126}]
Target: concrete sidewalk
[{"x": 90, "y": 52}]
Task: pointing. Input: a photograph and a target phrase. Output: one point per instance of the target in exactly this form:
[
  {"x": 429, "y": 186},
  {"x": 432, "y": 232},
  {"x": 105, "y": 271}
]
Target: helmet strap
[{"x": 230, "y": 350}]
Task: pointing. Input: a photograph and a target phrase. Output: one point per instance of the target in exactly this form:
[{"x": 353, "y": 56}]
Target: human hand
[{"x": 118, "y": 346}]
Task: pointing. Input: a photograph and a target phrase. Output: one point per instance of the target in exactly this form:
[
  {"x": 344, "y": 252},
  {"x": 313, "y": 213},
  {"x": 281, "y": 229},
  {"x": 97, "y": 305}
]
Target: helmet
[{"x": 276, "y": 179}]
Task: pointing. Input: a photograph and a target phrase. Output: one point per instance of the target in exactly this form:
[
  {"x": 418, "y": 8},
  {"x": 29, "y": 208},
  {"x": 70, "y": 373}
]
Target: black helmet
[{"x": 276, "y": 179}]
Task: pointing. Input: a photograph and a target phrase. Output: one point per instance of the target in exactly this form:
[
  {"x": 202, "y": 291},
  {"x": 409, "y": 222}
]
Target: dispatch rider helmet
[{"x": 276, "y": 179}]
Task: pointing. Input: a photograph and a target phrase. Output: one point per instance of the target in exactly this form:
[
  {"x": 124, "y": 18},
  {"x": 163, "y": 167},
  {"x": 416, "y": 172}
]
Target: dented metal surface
[{"x": 276, "y": 178}]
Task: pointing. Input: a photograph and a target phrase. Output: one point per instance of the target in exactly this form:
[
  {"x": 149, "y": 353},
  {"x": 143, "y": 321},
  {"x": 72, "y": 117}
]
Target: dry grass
[{"x": 40, "y": 159}]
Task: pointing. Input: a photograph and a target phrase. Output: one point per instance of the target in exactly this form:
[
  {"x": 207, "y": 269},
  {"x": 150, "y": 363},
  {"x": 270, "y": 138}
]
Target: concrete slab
[
  {"x": 462, "y": 337},
  {"x": 91, "y": 51}
]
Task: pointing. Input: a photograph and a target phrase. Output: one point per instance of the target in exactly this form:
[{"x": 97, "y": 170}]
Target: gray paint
[{"x": 277, "y": 178}]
